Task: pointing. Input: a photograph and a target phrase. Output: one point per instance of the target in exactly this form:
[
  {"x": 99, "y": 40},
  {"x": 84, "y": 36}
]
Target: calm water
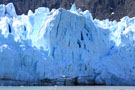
[{"x": 67, "y": 88}]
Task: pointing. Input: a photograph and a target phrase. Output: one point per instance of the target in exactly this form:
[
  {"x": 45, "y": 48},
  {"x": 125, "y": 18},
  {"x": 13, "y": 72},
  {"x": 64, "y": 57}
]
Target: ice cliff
[{"x": 66, "y": 44}]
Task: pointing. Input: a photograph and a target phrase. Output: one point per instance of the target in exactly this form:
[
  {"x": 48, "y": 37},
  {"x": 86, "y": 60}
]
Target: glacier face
[{"x": 63, "y": 43}]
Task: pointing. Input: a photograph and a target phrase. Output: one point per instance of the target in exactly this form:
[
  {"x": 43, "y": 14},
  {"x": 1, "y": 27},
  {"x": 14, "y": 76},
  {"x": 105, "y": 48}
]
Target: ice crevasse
[{"x": 66, "y": 43}]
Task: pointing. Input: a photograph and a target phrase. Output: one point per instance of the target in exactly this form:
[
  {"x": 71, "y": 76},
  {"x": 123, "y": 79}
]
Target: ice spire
[{"x": 73, "y": 7}]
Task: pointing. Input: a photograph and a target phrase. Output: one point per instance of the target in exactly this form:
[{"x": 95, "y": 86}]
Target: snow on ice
[{"x": 69, "y": 43}]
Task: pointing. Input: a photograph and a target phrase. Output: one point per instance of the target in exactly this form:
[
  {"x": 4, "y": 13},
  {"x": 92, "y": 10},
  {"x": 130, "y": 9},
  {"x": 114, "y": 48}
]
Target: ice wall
[{"x": 66, "y": 43}]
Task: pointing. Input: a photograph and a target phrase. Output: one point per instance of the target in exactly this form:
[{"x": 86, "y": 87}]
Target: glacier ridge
[{"x": 61, "y": 44}]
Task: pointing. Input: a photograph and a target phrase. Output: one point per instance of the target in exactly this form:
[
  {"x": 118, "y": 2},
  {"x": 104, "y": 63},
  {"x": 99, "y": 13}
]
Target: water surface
[{"x": 68, "y": 88}]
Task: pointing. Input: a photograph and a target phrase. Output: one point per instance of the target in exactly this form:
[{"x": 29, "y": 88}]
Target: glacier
[{"x": 65, "y": 47}]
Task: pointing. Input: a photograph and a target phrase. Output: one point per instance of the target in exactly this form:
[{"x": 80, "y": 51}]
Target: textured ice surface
[{"x": 66, "y": 43}]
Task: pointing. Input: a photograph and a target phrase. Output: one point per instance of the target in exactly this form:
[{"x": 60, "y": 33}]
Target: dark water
[{"x": 67, "y": 88}]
